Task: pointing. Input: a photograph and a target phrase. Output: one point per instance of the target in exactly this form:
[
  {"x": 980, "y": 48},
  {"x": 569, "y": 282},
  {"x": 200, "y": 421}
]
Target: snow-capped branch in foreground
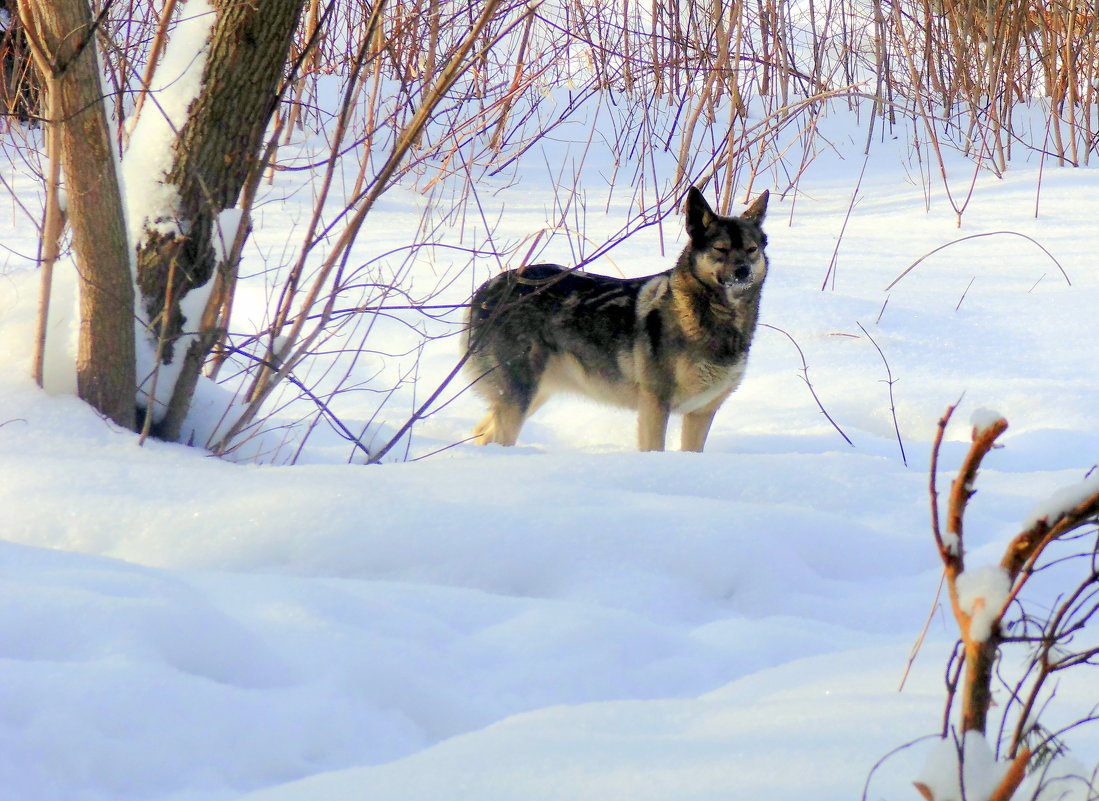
[
  {"x": 970, "y": 772},
  {"x": 1063, "y": 501},
  {"x": 951, "y": 543},
  {"x": 987, "y": 427},
  {"x": 967, "y": 770},
  {"x": 983, "y": 419},
  {"x": 982, "y": 594}
]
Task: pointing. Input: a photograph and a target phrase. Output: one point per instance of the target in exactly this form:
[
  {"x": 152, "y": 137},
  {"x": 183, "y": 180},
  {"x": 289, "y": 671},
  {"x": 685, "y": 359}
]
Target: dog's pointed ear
[
  {"x": 756, "y": 212},
  {"x": 699, "y": 214}
]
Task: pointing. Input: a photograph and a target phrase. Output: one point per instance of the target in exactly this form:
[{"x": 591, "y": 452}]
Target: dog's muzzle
[{"x": 740, "y": 276}]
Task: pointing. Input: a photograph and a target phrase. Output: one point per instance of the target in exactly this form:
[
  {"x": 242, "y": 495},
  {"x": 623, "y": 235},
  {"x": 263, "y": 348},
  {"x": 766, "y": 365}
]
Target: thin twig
[
  {"x": 918, "y": 645},
  {"x": 927, "y": 255},
  {"x": 808, "y": 383},
  {"x": 890, "y": 381}
]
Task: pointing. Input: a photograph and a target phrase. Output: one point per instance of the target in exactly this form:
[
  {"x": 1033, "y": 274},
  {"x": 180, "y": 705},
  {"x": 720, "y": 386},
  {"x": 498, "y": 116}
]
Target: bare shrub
[{"x": 1057, "y": 547}]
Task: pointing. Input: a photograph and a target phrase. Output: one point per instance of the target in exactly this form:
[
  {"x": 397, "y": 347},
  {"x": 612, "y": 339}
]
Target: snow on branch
[
  {"x": 1065, "y": 501},
  {"x": 966, "y": 766}
]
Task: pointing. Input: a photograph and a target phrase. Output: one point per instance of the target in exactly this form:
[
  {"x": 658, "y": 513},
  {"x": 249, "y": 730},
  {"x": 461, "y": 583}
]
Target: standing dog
[{"x": 676, "y": 341}]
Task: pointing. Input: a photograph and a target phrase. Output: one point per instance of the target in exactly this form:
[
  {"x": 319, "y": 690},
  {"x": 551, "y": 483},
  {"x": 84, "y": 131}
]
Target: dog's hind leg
[
  {"x": 501, "y": 425},
  {"x": 513, "y": 392}
]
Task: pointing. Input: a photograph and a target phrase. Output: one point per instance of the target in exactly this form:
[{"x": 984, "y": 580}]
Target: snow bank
[{"x": 749, "y": 740}]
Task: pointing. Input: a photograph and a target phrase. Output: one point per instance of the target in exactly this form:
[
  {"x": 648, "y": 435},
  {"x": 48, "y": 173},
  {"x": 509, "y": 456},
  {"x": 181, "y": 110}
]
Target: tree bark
[
  {"x": 980, "y": 662},
  {"x": 60, "y": 34},
  {"x": 217, "y": 149}
]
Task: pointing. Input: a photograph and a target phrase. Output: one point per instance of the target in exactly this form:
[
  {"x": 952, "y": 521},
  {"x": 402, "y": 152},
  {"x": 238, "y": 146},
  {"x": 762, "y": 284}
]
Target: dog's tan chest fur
[{"x": 698, "y": 384}]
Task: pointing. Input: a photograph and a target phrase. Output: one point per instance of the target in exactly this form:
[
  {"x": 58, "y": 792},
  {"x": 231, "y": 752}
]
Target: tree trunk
[
  {"x": 980, "y": 662},
  {"x": 60, "y": 33},
  {"x": 217, "y": 149}
]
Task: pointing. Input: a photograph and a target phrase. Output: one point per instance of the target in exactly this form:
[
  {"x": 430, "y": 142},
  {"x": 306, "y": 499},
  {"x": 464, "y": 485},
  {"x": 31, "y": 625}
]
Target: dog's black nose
[{"x": 742, "y": 273}]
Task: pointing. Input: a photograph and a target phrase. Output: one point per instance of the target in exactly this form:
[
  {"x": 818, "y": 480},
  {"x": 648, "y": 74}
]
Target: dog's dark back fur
[{"x": 674, "y": 341}]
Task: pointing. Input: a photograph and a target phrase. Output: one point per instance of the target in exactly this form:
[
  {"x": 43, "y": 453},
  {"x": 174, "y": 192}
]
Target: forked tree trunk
[
  {"x": 59, "y": 32},
  {"x": 217, "y": 149}
]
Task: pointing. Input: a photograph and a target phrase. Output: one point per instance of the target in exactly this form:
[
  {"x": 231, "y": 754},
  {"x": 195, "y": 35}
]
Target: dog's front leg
[
  {"x": 696, "y": 425},
  {"x": 652, "y": 421}
]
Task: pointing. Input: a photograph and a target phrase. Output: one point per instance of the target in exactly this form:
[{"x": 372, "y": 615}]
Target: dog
[{"x": 676, "y": 341}]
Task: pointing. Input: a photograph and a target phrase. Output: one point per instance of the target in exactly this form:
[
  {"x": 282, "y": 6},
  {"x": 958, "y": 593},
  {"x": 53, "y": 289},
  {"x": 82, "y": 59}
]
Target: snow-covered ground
[{"x": 567, "y": 619}]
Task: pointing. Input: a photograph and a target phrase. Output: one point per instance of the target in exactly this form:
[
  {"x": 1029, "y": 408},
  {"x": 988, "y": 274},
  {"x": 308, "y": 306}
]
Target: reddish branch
[{"x": 1023, "y": 553}]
